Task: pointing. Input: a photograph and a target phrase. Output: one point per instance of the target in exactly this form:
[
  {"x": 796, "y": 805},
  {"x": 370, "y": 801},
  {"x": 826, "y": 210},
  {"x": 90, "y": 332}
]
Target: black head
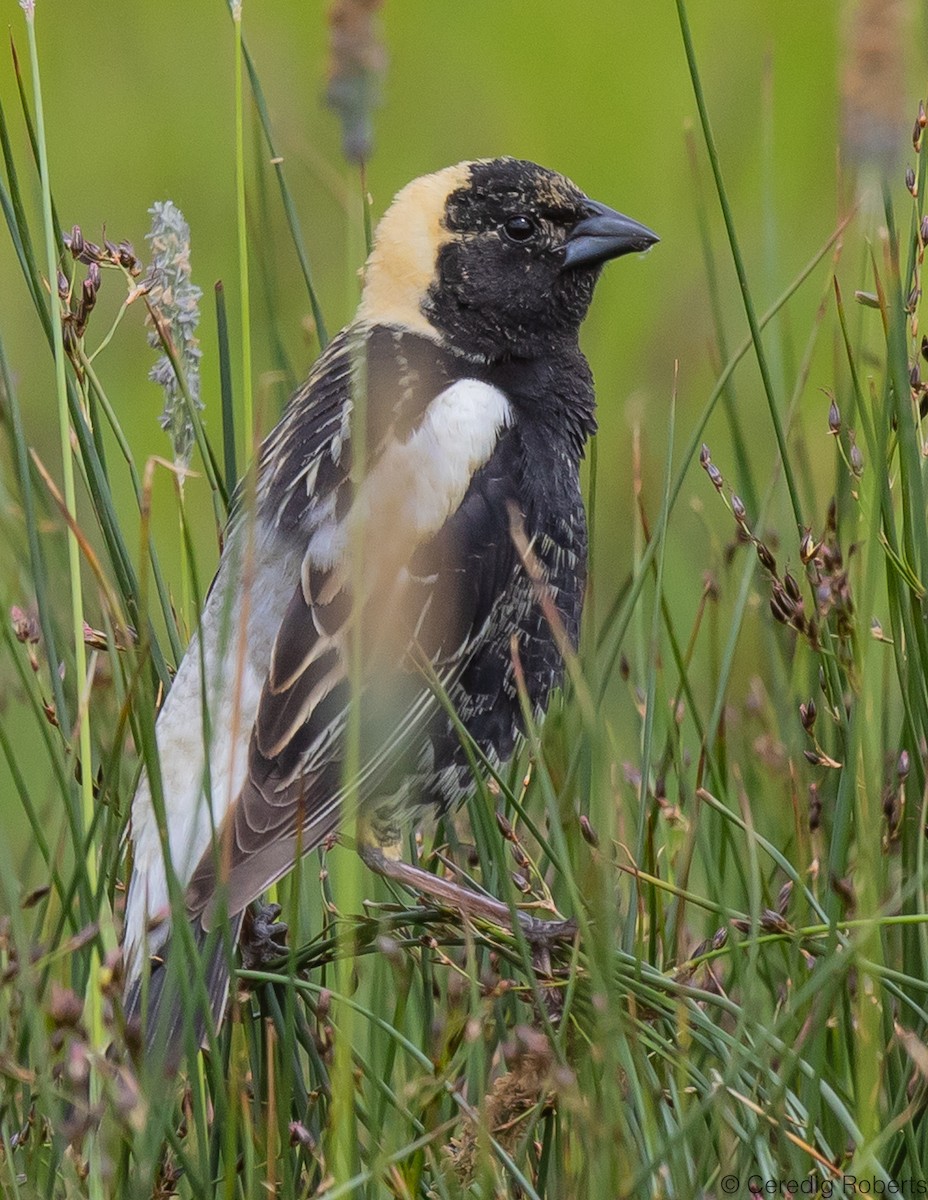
[{"x": 499, "y": 257}]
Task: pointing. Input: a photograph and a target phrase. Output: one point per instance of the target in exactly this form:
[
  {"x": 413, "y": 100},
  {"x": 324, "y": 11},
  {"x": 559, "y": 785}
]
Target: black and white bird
[{"x": 378, "y": 556}]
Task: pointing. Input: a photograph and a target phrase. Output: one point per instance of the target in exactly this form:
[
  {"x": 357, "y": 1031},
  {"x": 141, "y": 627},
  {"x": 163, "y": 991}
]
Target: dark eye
[{"x": 519, "y": 228}]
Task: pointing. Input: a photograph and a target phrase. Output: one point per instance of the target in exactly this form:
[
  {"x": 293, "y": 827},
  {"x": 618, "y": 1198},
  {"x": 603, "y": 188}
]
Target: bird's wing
[{"x": 412, "y": 554}]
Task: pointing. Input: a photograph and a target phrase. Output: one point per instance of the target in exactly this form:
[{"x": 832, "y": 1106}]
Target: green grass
[{"x": 744, "y": 853}]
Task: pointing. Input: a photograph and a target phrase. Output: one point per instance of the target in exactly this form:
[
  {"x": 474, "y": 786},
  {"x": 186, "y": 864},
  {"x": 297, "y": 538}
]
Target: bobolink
[{"x": 379, "y": 555}]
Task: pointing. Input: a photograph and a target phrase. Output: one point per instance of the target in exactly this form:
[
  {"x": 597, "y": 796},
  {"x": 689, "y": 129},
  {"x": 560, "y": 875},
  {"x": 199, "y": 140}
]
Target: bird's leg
[
  {"x": 538, "y": 933},
  {"x": 263, "y": 938}
]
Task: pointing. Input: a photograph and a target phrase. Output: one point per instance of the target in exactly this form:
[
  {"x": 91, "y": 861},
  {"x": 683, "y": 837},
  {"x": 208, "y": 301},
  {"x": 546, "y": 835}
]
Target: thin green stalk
[
  {"x": 225, "y": 391},
  {"x": 746, "y": 484},
  {"x": 746, "y": 297},
  {"x": 622, "y": 616},
  {"x": 652, "y": 670},
  {"x": 161, "y": 587},
  {"x": 242, "y": 221},
  {"x": 93, "y": 997},
  {"x": 64, "y": 430},
  {"x": 287, "y": 200}
]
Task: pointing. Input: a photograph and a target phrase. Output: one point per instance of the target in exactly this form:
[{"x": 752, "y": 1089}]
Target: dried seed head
[
  {"x": 915, "y": 378},
  {"x": 792, "y": 588},
  {"x": 815, "y": 808},
  {"x": 716, "y": 476},
  {"x": 922, "y": 118},
  {"x": 301, "y": 1136},
  {"x": 704, "y": 456},
  {"x": 923, "y": 230},
  {"x": 63, "y": 287},
  {"x": 911, "y": 302},
  {"x": 780, "y": 606},
  {"x": 807, "y": 714},
  {"x": 127, "y": 259},
  {"x": 767, "y": 561},
  {"x": 356, "y": 67},
  {"x": 624, "y": 668},
  {"x": 910, "y": 180},
  {"x": 65, "y": 1007},
  {"x": 834, "y": 418},
  {"x": 505, "y": 828},
  {"x": 587, "y": 832},
  {"x": 521, "y": 858},
  {"x": 75, "y": 242},
  {"x": 902, "y": 766},
  {"x": 857, "y": 461},
  {"x": 25, "y": 627},
  {"x": 88, "y": 296},
  {"x": 813, "y": 757},
  {"x": 808, "y": 548},
  {"x": 737, "y": 507},
  {"x": 772, "y": 922}
]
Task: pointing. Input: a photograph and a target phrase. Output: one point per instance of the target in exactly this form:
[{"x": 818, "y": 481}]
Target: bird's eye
[{"x": 519, "y": 228}]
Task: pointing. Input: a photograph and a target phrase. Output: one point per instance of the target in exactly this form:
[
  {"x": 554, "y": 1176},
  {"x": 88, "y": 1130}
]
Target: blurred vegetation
[{"x": 804, "y": 1046}]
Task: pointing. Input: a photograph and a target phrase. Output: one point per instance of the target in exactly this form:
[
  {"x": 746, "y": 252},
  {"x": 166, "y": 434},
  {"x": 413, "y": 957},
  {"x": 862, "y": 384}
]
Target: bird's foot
[
  {"x": 264, "y": 938},
  {"x": 542, "y": 935}
]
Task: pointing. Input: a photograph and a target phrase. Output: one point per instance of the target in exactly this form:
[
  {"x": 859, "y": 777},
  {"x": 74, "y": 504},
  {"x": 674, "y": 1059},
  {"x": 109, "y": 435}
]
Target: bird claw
[
  {"x": 264, "y": 938},
  {"x": 541, "y": 935}
]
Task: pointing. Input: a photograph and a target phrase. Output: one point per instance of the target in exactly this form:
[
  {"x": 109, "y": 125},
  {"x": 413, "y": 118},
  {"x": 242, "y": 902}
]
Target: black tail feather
[{"x": 169, "y": 1006}]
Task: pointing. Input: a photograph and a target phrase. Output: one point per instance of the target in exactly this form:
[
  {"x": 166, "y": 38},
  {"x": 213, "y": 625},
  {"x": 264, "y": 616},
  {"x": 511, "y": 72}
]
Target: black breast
[{"x": 531, "y": 481}]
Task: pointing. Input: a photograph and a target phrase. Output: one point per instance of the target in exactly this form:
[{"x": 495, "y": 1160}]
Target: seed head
[
  {"x": 792, "y": 588},
  {"x": 767, "y": 561},
  {"x": 808, "y": 547},
  {"x": 780, "y": 606},
  {"x": 815, "y": 808},
  {"x": 177, "y": 301},
  {"x": 807, "y": 714},
  {"x": 587, "y": 831}
]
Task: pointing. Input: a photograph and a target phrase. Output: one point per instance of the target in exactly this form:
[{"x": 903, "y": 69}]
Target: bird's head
[{"x": 497, "y": 257}]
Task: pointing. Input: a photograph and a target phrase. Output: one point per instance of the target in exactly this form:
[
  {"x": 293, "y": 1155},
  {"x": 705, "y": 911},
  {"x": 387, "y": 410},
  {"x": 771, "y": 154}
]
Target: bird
[{"x": 408, "y": 562}]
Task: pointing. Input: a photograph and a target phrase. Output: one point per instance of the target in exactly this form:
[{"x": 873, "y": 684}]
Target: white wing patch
[{"x": 417, "y": 484}]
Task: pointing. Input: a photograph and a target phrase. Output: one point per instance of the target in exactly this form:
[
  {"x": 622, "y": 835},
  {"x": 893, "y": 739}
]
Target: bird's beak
[{"x": 604, "y": 234}]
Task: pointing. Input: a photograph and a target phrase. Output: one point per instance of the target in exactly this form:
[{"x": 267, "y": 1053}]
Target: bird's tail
[{"x": 171, "y": 1000}]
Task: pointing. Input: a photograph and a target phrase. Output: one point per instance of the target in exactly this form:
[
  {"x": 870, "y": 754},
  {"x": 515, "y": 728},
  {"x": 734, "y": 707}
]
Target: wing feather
[{"x": 433, "y": 475}]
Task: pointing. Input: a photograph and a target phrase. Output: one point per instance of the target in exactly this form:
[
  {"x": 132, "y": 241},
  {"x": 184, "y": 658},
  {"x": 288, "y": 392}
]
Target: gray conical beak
[{"x": 604, "y": 234}]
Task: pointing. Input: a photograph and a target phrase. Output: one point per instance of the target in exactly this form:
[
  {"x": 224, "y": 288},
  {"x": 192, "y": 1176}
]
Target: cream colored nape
[{"x": 401, "y": 266}]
